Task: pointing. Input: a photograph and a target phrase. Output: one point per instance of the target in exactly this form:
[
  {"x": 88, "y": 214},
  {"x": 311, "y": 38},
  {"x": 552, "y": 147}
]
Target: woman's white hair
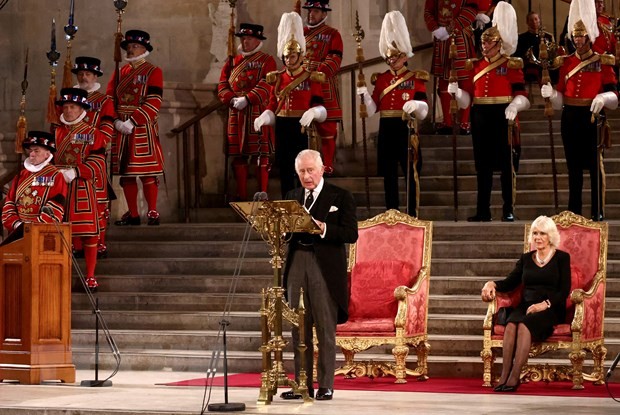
[{"x": 546, "y": 225}]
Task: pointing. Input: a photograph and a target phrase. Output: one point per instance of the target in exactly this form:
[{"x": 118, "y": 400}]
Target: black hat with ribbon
[
  {"x": 75, "y": 95},
  {"x": 41, "y": 139},
  {"x": 320, "y": 4},
  {"x": 248, "y": 29},
  {"x": 86, "y": 63},
  {"x": 137, "y": 36}
]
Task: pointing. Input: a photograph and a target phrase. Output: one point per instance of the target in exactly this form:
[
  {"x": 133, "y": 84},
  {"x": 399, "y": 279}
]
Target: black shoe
[
  {"x": 464, "y": 131},
  {"x": 324, "y": 394},
  {"x": 510, "y": 389},
  {"x": 128, "y": 220},
  {"x": 290, "y": 395},
  {"x": 499, "y": 387},
  {"x": 78, "y": 253},
  {"x": 600, "y": 218},
  {"x": 508, "y": 217},
  {"x": 153, "y": 218},
  {"x": 479, "y": 218}
]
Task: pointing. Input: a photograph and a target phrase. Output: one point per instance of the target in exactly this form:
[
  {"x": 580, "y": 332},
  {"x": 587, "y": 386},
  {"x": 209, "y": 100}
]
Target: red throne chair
[
  {"x": 582, "y": 332},
  {"x": 389, "y": 272}
]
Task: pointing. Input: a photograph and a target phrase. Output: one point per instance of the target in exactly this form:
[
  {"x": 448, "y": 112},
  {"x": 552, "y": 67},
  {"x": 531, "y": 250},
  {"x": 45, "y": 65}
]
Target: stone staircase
[{"x": 163, "y": 288}]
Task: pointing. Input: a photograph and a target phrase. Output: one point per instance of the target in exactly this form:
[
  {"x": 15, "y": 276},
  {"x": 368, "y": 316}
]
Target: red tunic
[
  {"x": 308, "y": 93},
  {"x": 82, "y": 147},
  {"x": 30, "y": 192},
  {"x": 324, "y": 54},
  {"x": 139, "y": 97},
  {"x": 502, "y": 81},
  {"x": 594, "y": 78},
  {"x": 390, "y": 101},
  {"x": 101, "y": 115},
  {"x": 457, "y": 14},
  {"x": 606, "y": 40},
  {"x": 247, "y": 78}
]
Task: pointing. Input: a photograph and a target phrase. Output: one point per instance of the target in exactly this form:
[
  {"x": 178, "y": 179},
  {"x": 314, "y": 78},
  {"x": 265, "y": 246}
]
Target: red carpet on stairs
[{"x": 433, "y": 385}]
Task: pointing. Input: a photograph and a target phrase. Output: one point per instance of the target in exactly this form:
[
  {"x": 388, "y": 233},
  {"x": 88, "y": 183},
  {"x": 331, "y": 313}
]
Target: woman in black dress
[{"x": 545, "y": 275}]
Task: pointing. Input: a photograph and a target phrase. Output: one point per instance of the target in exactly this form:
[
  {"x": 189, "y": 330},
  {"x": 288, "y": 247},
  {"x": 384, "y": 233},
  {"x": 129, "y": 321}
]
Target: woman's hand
[
  {"x": 537, "y": 308},
  {"x": 488, "y": 291}
]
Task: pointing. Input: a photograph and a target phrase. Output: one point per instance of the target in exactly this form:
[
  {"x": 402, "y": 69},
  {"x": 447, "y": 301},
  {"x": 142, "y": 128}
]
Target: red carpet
[{"x": 434, "y": 385}]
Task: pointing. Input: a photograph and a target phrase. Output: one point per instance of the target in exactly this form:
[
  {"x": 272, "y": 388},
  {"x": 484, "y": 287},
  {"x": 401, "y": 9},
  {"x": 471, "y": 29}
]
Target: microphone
[
  {"x": 613, "y": 366},
  {"x": 48, "y": 210},
  {"x": 260, "y": 197}
]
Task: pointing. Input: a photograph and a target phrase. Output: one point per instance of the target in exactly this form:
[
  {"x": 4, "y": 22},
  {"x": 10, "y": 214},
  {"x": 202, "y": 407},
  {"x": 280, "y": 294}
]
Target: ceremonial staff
[
  {"x": 454, "y": 110},
  {"x": 118, "y": 38},
  {"x": 53, "y": 55},
  {"x": 361, "y": 82},
  {"x": 231, "y": 64},
  {"x": 544, "y": 58},
  {"x": 21, "y": 121},
  {"x": 70, "y": 31}
]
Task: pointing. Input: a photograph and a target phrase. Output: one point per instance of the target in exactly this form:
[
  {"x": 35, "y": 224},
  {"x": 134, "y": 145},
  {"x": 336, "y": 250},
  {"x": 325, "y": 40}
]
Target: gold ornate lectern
[
  {"x": 35, "y": 306},
  {"x": 275, "y": 221}
]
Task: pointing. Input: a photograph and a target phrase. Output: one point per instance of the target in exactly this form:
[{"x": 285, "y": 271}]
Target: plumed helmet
[
  {"x": 504, "y": 28},
  {"x": 291, "y": 37},
  {"x": 394, "y": 38},
  {"x": 582, "y": 19}
]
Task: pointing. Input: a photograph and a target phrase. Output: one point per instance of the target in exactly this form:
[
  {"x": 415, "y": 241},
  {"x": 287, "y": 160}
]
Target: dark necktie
[{"x": 309, "y": 200}]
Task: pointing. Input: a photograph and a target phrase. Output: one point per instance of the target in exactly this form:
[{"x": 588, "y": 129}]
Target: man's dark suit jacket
[{"x": 330, "y": 251}]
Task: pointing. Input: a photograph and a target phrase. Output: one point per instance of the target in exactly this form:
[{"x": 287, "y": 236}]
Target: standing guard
[
  {"x": 136, "y": 151},
  {"x": 324, "y": 54},
  {"x": 81, "y": 160},
  {"x": 498, "y": 91},
  {"x": 243, "y": 88},
  {"x": 399, "y": 96},
  {"x": 295, "y": 97},
  {"x": 101, "y": 115},
  {"x": 587, "y": 84},
  {"x": 451, "y": 20}
]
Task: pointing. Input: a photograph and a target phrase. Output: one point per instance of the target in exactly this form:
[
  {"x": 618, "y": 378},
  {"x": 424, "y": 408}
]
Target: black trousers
[
  {"x": 392, "y": 148},
  {"x": 580, "y": 148},
  {"x": 289, "y": 142},
  {"x": 489, "y": 131}
]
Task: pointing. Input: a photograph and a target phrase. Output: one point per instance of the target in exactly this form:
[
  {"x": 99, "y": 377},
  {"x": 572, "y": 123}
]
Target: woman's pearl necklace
[{"x": 547, "y": 258}]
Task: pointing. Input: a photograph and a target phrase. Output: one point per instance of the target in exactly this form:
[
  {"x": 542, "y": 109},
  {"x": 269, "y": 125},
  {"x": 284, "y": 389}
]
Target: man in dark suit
[{"x": 318, "y": 264}]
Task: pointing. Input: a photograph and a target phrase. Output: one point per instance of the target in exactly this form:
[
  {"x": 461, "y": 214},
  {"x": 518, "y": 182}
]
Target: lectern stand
[
  {"x": 275, "y": 221},
  {"x": 35, "y": 306}
]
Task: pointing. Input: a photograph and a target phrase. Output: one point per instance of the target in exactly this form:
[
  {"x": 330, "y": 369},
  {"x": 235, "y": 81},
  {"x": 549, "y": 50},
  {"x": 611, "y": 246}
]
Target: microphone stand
[
  {"x": 99, "y": 320},
  {"x": 226, "y": 406}
]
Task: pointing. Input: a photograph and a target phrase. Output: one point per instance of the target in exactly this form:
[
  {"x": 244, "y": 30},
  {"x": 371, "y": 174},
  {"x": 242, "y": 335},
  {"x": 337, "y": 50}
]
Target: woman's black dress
[{"x": 550, "y": 282}]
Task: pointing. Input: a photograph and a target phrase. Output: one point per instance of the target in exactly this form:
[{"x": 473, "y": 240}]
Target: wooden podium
[{"x": 35, "y": 306}]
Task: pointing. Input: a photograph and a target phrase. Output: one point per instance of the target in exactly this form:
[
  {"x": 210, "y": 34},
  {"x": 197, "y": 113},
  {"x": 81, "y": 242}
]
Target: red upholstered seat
[
  {"x": 389, "y": 270},
  {"x": 582, "y": 332}
]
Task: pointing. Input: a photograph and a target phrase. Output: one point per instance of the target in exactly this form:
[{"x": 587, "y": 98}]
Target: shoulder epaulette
[
  {"x": 422, "y": 75},
  {"x": 318, "y": 76},
  {"x": 515, "y": 63},
  {"x": 373, "y": 78},
  {"x": 558, "y": 61},
  {"x": 271, "y": 77},
  {"x": 607, "y": 59},
  {"x": 469, "y": 64}
]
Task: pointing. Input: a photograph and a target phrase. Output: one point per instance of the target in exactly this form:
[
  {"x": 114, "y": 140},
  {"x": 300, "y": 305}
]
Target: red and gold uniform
[
  {"x": 496, "y": 81},
  {"x": 457, "y": 17},
  {"x": 324, "y": 54},
  {"x": 30, "y": 192},
  {"x": 392, "y": 90},
  {"x": 82, "y": 147},
  {"x": 246, "y": 78},
  {"x": 582, "y": 78},
  {"x": 606, "y": 40},
  {"x": 292, "y": 94}
]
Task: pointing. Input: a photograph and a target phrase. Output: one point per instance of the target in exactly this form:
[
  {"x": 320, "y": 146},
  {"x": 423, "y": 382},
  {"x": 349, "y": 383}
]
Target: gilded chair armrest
[
  {"x": 589, "y": 310},
  {"x": 413, "y": 305},
  {"x": 488, "y": 319}
]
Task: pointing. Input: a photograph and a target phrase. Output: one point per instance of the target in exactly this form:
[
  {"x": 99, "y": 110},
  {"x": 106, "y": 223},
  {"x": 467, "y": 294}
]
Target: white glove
[
  {"x": 519, "y": 103},
  {"x": 118, "y": 125},
  {"x": 608, "y": 100},
  {"x": 453, "y": 88},
  {"x": 481, "y": 20},
  {"x": 547, "y": 91},
  {"x": 266, "y": 118},
  {"x": 361, "y": 90},
  {"x": 410, "y": 106},
  {"x": 239, "y": 103},
  {"x": 68, "y": 174},
  {"x": 441, "y": 33},
  {"x": 318, "y": 114}
]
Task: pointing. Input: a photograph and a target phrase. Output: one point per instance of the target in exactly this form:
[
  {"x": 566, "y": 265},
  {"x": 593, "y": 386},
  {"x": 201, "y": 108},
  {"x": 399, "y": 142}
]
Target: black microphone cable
[
  {"x": 217, "y": 351},
  {"x": 609, "y": 372},
  {"x": 104, "y": 326}
]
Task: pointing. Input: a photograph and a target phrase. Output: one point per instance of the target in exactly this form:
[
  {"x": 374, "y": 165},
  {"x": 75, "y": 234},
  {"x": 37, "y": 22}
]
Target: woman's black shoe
[
  {"x": 499, "y": 387},
  {"x": 510, "y": 389}
]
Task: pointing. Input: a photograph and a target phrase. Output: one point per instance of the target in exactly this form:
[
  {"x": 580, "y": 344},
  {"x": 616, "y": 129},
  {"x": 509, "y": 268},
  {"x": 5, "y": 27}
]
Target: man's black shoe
[
  {"x": 128, "y": 220},
  {"x": 289, "y": 395},
  {"x": 508, "y": 217},
  {"x": 464, "y": 131},
  {"x": 479, "y": 218},
  {"x": 324, "y": 394},
  {"x": 600, "y": 218}
]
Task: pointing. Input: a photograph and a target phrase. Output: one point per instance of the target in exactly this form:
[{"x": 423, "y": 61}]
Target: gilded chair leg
[
  {"x": 400, "y": 355},
  {"x": 423, "y": 351},
  {"x": 577, "y": 358},
  {"x": 488, "y": 358},
  {"x": 598, "y": 355}
]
